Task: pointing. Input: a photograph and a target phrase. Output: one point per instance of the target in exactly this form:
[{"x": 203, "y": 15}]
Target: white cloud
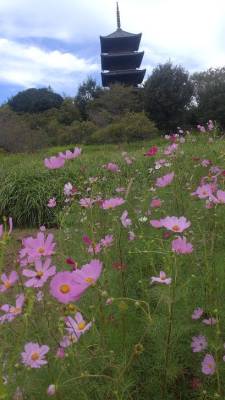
[{"x": 28, "y": 66}]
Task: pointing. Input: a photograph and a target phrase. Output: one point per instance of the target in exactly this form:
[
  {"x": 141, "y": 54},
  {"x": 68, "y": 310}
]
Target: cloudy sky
[{"x": 56, "y": 42}]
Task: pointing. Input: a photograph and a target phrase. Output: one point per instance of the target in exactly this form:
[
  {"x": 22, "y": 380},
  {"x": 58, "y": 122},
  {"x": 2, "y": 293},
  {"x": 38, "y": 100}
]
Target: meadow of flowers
[{"x": 126, "y": 298}]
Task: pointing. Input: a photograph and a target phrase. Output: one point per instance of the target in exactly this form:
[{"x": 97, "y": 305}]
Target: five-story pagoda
[{"x": 120, "y": 57}]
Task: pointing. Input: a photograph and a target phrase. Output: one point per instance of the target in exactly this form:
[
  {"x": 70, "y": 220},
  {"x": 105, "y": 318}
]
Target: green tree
[
  {"x": 210, "y": 95},
  {"x": 35, "y": 100},
  {"x": 167, "y": 95},
  {"x": 87, "y": 92}
]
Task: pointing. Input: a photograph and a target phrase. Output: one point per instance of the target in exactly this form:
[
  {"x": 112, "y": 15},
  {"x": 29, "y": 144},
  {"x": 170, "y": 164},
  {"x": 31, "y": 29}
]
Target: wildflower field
[{"x": 118, "y": 290}]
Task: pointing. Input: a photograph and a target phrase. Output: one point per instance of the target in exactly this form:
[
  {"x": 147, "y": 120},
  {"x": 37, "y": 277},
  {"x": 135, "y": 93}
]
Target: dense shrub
[
  {"x": 35, "y": 100},
  {"x": 131, "y": 127}
]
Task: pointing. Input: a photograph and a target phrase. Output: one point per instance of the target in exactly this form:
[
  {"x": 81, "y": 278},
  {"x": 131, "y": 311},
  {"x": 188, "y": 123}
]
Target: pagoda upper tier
[{"x": 120, "y": 57}]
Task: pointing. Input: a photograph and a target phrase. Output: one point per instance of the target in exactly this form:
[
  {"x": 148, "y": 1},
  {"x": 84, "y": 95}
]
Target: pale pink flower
[
  {"x": 210, "y": 125},
  {"x": 208, "y": 365},
  {"x": 197, "y": 313},
  {"x": 42, "y": 272},
  {"x": 8, "y": 281},
  {"x": 94, "y": 248},
  {"x": 37, "y": 247},
  {"x": 128, "y": 160},
  {"x": 209, "y": 321},
  {"x": 112, "y": 167},
  {"x": 51, "y": 391},
  {"x": 181, "y": 246},
  {"x": 220, "y": 196},
  {"x": 156, "y": 203},
  {"x": 125, "y": 220},
  {"x": 70, "y": 155},
  {"x": 205, "y": 163},
  {"x": 171, "y": 149},
  {"x": 10, "y": 311},
  {"x": 165, "y": 180},
  {"x": 75, "y": 327},
  {"x": 107, "y": 241},
  {"x": 65, "y": 288},
  {"x": 203, "y": 191},
  {"x": 68, "y": 189},
  {"x": 34, "y": 355},
  {"x": 120, "y": 189},
  {"x": 54, "y": 162},
  {"x": 86, "y": 202},
  {"x": 131, "y": 236},
  {"x": 112, "y": 203},
  {"x": 162, "y": 278},
  {"x": 199, "y": 343},
  {"x": 88, "y": 274},
  {"x": 156, "y": 223},
  {"x": 175, "y": 224},
  {"x": 52, "y": 202}
]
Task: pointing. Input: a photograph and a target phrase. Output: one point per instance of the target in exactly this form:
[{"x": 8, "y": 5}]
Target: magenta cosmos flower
[
  {"x": 65, "y": 288},
  {"x": 8, "y": 281},
  {"x": 88, "y": 274},
  {"x": 162, "y": 278},
  {"x": 112, "y": 203},
  {"x": 75, "y": 327},
  {"x": 125, "y": 220},
  {"x": 152, "y": 151},
  {"x": 54, "y": 162},
  {"x": 208, "y": 365},
  {"x": 156, "y": 203},
  {"x": 70, "y": 155},
  {"x": 11, "y": 312},
  {"x": 36, "y": 247},
  {"x": 181, "y": 246},
  {"x": 165, "y": 180},
  {"x": 34, "y": 355},
  {"x": 199, "y": 343},
  {"x": 175, "y": 224},
  {"x": 197, "y": 313},
  {"x": 40, "y": 275}
]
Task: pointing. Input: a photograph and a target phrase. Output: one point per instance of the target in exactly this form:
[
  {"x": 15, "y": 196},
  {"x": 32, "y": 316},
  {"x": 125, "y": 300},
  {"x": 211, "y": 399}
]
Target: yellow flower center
[
  {"x": 176, "y": 228},
  {"x": 64, "y": 288},
  {"x": 81, "y": 326},
  {"x": 35, "y": 356},
  {"x": 41, "y": 250},
  {"x": 89, "y": 280},
  {"x": 39, "y": 274},
  {"x": 7, "y": 284}
]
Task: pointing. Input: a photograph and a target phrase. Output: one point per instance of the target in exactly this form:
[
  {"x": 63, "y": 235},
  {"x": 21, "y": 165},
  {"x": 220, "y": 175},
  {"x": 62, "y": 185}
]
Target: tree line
[{"x": 170, "y": 97}]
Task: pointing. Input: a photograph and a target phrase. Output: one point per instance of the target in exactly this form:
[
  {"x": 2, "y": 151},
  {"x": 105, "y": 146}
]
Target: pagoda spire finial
[{"x": 118, "y": 15}]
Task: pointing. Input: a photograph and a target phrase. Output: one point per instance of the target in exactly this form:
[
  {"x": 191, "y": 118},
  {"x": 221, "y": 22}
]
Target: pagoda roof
[
  {"x": 130, "y": 77},
  {"x": 120, "y": 33},
  {"x": 120, "y": 61}
]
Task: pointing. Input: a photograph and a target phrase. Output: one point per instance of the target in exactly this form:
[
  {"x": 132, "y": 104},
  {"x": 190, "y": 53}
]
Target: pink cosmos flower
[
  {"x": 152, "y": 151},
  {"x": 11, "y": 312},
  {"x": 51, "y": 391},
  {"x": 162, "y": 278},
  {"x": 203, "y": 191},
  {"x": 156, "y": 223},
  {"x": 112, "y": 203},
  {"x": 65, "y": 288},
  {"x": 75, "y": 328},
  {"x": 210, "y": 125},
  {"x": 156, "y": 203},
  {"x": 165, "y": 180},
  {"x": 197, "y": 313},
  {"x": 35, "y": 248},
  {"x": 68, "y": 189},
  {"x": 220, "y": 196},
  {"x": 125, "y": 220},
  {"x": 94, "y": 248},
  {"x": 87, "y": 240},
  {"x": 199, "y": 343},
  {"x": 86, "y": 202},
  {"x": 208, "y": 365},
  {"x": 60, "y": 352},
  {"x": 175, "y": 224},
  {"x": 112, "y": 167},
  {"x": 70, "y": 155},
  {"x": 42, "y": 272},
  {"x": 206, "y": 163},
  {"x": 128, "y": 160},
  {"x": 8, "y": 281},
  {"x": 107, "y": 241},
  {"x": 181, "y": 246},
  {"x": 52, "y": 202},
  {"x": 171, "y": 149},
  {"x": 34, "y": 355},
  {"x": 54, "y": 162},
  {"x": 209, "y": 321},
  {"x": 88, "y": 274},
  {"x": 201, "y": 128}
]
